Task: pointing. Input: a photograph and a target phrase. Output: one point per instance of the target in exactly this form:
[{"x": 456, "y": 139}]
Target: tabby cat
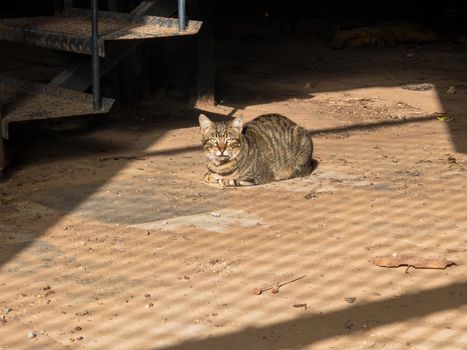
[{"x": 269, "y": 148}]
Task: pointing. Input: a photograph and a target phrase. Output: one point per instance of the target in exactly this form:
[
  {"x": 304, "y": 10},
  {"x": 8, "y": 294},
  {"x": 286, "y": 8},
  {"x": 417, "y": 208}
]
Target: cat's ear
[
  {"x": 205, "y": 123},
  {"x": 237, "y": 123}
]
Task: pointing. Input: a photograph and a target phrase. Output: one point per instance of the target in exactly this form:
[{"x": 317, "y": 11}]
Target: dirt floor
[{"x": 110, "y": 240}]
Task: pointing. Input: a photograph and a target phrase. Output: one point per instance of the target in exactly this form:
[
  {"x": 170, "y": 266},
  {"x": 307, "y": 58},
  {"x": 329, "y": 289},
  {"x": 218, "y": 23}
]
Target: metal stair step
[
  {"x": 71, "y": 30},
  {"x": 24, "y": 100}
]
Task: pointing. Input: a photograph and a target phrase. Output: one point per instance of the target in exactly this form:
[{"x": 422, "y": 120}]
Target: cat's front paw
[{"x": 211, "y": 178}]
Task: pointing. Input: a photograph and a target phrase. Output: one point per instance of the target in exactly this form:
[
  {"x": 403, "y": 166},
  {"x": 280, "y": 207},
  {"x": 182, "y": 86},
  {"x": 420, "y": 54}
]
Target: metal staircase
[
  {"x": 71, "y": 30},
  {"x": 79, "y": 31}
]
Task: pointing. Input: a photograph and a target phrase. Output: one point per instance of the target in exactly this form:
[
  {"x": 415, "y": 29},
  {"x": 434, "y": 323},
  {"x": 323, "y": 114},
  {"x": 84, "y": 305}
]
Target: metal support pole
[
  {"x": 96, "y": 97},
  {"x": 2, "y": 151},
  {"x": 181, "y": 15}
]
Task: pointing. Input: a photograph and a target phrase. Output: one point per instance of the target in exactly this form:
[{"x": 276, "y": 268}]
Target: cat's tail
[{"x": 313, "y": 163}]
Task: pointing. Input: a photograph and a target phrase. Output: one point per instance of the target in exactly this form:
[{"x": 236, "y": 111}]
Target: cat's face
[{"x": 221, "y": 141}]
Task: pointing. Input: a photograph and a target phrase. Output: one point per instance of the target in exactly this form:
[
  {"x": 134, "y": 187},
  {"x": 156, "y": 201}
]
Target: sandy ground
[{"x": 109, "y": 239}]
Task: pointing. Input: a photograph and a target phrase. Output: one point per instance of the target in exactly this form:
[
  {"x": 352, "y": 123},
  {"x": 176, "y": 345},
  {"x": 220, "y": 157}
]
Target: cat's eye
[
  {"x": 230, "y": 141},
  {"x": 214, "y": 141}
]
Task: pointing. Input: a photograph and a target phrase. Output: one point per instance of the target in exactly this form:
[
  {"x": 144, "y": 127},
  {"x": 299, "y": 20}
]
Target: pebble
[
  {"x": 31, "y": 335},
  {"x": 350, "y": 300},
  {"x": 7, "y": 310},
  {"x": 147, "y": 233},
  {"x": 368, "y": 344},
  {"x": 451, "y": 90},
  {"x": 148, "y": 306},
  {"x": 216, "y": 215},
  {"x": 310, "y": 195},
  {"x": 83, "y": 313},
  {"x": 348, "y": 325}
]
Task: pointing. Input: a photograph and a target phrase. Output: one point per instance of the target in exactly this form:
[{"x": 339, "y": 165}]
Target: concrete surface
[{"x": 109, "y": 239}]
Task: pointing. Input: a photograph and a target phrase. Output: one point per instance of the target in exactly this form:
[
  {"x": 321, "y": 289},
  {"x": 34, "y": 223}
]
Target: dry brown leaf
[{"x": 416, "y": 262}]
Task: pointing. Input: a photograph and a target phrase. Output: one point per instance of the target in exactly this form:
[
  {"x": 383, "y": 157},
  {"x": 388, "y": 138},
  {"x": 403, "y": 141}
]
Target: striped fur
[{"x": 269, "y": 148}]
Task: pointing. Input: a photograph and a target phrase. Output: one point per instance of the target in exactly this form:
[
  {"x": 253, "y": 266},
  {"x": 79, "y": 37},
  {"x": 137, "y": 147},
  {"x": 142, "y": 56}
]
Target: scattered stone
[
  {"x": 367, "y": 344},
  {"x": 7, "y": 310},
  {"x": 350, "y": 300},
  {"x": 452, "y": 90},
  {"x": 410, "y": 55},
  {"x": 147, "y": 295},
  {"x": 310, "y": 195},
  {"x": 83, "y": 313},
  {"x": 80, "y": 338},
  {"x": 51, "y": 291},
  {"x": 216, "y": 215},
  {"x": 78, "y": 328},
  {"x": 47, "y": 288},
  {"x": 31, "y": 335},
  {"x": 307, "y": 85},
  {"x": 305, "y": 306},
  {"x": 147, "y": 233},
  {"x": 148, "y": 306},
  {"x": 348, "y": 325}
]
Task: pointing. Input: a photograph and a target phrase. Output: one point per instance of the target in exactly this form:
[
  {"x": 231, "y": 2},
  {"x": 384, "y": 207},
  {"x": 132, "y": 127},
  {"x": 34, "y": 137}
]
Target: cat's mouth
[{"x": 223, "y": 158}]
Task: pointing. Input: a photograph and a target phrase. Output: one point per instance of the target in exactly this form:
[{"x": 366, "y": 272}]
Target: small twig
[
  {"x": 287, "y": 282},
  {"x": 456, "y": 250},
  {"x": 300, "y": 305},
  {"x": 275, "y": 288},
  {"x": 258, "y": 291}
]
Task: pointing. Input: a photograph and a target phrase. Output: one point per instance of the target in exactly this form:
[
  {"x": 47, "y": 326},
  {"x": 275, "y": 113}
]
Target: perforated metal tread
[
  {"x": 23, "y": 100},
  {"x": 71, "y": 30}
]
